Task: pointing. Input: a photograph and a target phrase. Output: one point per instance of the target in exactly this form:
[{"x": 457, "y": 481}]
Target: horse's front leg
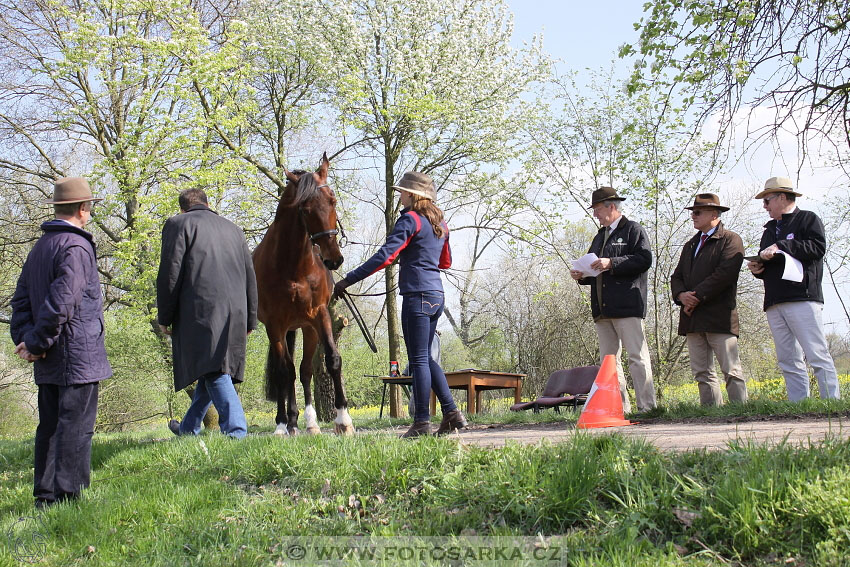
[
  {"x": 333, "y": 362},
  {"x": 311, "y": 340}
]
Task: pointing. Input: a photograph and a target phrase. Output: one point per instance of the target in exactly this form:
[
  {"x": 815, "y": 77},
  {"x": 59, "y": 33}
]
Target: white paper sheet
[
  {"x": 583, "y": 264},
  {"x": 793, "y": 268}
]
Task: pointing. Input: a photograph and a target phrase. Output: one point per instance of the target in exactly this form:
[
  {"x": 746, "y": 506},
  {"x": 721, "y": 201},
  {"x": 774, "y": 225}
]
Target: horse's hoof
[
  {"x": 314, "y": 431},
  {"x": 345, "y": 430},
  {"x": 293, "y": 431},
  {"x": 281, "y": 430}
]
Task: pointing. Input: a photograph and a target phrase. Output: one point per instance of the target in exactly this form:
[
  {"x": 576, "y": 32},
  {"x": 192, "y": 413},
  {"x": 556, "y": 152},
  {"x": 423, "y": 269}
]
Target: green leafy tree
[
  {"x": 432, "y": 86},
  {"x": 725, "y": 56},
  {"x": 92, "y": 89}
]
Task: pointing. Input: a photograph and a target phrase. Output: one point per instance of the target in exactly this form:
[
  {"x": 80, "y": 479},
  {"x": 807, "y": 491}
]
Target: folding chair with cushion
[{"x": 564, "y": 387}]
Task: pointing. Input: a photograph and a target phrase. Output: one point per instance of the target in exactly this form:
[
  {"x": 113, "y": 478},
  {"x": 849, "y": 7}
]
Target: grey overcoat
[{"x": 207, "y": 292}]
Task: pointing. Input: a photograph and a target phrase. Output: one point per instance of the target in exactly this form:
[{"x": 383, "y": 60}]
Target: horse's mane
[{"x": 305, "y": 190}]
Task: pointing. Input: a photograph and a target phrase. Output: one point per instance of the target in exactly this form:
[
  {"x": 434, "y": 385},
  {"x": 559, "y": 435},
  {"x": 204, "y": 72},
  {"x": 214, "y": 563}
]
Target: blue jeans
[
  {"x": 419, "y": 315},
  {"x": 219, "y": 391}
]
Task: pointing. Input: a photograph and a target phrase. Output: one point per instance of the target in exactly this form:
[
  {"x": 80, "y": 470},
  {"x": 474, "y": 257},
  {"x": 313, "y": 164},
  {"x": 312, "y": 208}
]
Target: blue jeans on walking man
[{"x": 216, "y": 389}]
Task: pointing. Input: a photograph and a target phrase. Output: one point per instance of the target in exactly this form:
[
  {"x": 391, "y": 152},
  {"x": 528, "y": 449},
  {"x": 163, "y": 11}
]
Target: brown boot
[
  {"x": 452, "y": 421},
  {"x": 418, "y": 428}
]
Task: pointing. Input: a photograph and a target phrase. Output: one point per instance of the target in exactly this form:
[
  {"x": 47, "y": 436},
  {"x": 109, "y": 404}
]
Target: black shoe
[
  {"x": 452, "y": 421},
  {"x": 174, "y": 426},
  {"x": 419, "y": 428},
  {"x": 41, "y": 503}
]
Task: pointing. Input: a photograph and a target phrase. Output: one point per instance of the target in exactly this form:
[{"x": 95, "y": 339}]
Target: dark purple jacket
[
  {"x": 57, "y": 308},
  {"x": 421, "y": 255}
]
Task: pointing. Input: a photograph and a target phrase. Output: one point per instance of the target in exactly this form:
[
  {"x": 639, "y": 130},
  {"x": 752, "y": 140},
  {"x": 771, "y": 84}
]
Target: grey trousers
[
  {"x": 702, "y": 348},
  {"x": 797, "y": 328},
  {"x": 629, "y": 333}
]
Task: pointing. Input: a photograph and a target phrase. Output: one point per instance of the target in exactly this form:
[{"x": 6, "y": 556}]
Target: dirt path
[{"x": 670, "y": 436}]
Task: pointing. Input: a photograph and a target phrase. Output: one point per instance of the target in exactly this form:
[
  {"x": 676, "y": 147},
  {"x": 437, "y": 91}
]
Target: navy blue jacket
[
  {"x": 802, "y": 236},
  {"x": 623, "y": 287},
  {"x": 420, "y": 253},
  {"x": 57, "y": 308}
]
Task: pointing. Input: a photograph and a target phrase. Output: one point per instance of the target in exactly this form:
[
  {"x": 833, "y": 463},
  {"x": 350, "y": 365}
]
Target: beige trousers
[
  {"x": 702, "y": 348},
  {"x": 629, "y": 333}
]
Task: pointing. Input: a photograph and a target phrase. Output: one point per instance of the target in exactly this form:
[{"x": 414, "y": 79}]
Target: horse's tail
[{"x": 277, "y": 372}]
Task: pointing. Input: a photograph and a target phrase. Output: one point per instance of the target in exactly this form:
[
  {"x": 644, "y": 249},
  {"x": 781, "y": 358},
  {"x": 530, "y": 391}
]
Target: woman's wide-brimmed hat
[
  {"x": 68, "y": 190},
  {"x": 707, "y": 201},
  {"x": 778, "y": 185},
  {"x": 604, "y": 194},
  {"x": 419, "y": 184}
]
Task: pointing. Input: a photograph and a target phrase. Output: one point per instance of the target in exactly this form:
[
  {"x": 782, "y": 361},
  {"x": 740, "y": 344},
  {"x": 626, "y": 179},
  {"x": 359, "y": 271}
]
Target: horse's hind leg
[
  {"x": 306, "y": 371},
  {"x": 292, "y": 403},
  {"x": 333, "y": 362},
  {"x": 276, "y": 382}
]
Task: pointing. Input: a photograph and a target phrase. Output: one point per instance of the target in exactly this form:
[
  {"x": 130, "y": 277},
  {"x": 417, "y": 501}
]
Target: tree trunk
[
  {"x": 323, "y": 384},
  {"x": 397, "y": 406}
]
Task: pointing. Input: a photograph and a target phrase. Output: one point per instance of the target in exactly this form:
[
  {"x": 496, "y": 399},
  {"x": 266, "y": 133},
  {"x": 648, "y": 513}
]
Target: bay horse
[{"x": 294, "y": 288}]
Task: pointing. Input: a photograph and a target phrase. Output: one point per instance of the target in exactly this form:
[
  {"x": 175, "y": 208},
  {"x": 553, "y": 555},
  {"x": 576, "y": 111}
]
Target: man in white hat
[{"x": 794, "y": 308}]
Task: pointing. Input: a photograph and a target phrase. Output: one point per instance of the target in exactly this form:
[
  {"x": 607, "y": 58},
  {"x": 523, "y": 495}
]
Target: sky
[
  {"x": 588, "y": 35},
  {"x": 582, "y": 34}
]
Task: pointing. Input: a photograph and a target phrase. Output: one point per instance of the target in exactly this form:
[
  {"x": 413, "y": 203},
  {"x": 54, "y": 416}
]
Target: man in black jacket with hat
[
  {"x": 618, "y": 293},
  {"x": 57, "y": 324},
  {"x": 794, "y": 308}
]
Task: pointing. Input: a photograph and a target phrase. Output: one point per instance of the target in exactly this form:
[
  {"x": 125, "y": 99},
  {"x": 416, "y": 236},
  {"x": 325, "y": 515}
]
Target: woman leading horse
[{"x": 420, "y": 240}]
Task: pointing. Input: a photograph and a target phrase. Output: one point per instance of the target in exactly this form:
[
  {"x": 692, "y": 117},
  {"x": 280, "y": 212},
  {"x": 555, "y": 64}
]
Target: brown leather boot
[
  {"x": 452, "y": 421},
  {"x": 418, "y": 429}
]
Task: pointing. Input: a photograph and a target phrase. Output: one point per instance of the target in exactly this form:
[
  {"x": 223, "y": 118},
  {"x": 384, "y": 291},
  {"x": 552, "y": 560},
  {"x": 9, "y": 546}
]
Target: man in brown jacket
[{"x": 705, "y": 283}]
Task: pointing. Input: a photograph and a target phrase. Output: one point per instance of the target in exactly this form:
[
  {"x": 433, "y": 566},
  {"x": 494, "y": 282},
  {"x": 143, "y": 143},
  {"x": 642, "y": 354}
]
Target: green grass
[
  {"x": 758, "y": 408},
  {"x": 157, "y": 500}
]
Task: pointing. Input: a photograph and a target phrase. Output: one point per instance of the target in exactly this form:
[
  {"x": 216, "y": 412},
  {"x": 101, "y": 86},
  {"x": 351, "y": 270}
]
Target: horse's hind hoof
[
  {"x": 281, "y": 430},
  {"x": 345, "y": 430},
  {"x": 314, "y": 431}
]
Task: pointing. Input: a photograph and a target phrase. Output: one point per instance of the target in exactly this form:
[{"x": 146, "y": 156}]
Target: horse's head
[{"x": 317, "y": 209}]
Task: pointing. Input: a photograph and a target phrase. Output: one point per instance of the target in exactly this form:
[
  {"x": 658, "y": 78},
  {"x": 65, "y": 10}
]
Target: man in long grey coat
[
  {"x": 705, "y": 284},
  {"x": 207, "y": 293}
]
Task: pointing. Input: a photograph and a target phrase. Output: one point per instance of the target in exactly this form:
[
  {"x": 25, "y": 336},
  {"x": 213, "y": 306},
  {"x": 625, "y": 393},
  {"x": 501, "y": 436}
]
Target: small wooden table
[{"x": 474, "y": 381}]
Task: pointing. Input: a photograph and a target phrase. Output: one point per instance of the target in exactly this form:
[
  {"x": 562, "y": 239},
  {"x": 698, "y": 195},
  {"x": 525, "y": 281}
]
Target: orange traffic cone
[{"x": 604, "y": 407}]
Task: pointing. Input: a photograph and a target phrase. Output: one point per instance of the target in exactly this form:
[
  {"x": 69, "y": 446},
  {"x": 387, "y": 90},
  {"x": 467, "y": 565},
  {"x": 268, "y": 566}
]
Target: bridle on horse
[
  {"x": 314, "y": 236},
  {"x": 349, "y": 302}
]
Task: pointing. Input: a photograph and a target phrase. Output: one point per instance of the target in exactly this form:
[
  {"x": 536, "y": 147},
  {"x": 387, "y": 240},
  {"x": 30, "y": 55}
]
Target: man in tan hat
[
  {"x": 57, "y": 323},
  {"x": 705, "y": 283},
  {"x": 618, "y": 294},
  {"x": 793, "y": 308}
]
